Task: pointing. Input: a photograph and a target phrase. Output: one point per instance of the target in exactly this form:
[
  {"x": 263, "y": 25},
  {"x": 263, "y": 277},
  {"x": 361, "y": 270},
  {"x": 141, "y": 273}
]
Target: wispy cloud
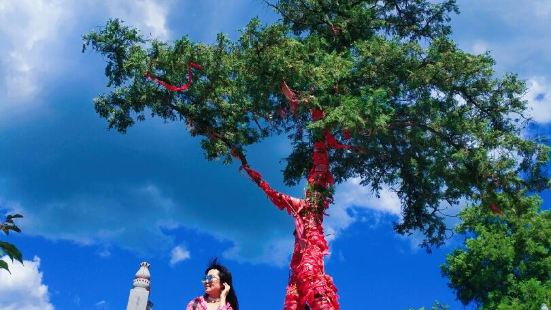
[
  {"x": 352, "y": 193},
  {"x": 350, "y": 197},
  {"x": 39, "y": 43},
  {"x": 539, "y": 99},
  {"x": 101, "y": 305},
  {"x": 23, "y": 289},
  {"x": 355, "y": 203},
  {"x": 179, "y": 254},
  {"x": 29, "y": 30},
  {"x": 133, "y": 220},
  {"x": 513, "y": 31},
  {"x": 148, "y": 15},
  {"x": 543, "y": 8},
  {"x": 480, "y": 47}
]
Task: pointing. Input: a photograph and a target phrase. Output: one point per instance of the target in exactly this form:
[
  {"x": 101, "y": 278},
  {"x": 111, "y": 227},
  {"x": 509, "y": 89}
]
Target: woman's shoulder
[{"x": 197, "y": 301}]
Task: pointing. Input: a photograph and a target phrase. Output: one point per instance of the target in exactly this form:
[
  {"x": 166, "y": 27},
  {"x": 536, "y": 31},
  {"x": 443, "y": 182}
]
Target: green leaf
[
  {"x": 4, "y": 265},
  {"x": 11, "y": 251},
  {"x": 14, "y": 216}
]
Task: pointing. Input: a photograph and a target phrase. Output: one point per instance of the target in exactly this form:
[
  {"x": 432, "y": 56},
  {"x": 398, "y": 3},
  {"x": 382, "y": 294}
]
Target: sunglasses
[{"x": 208, "y": 278}]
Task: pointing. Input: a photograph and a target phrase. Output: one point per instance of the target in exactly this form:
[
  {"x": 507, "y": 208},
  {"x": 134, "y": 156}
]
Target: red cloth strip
[
  {"x": 495, "y": 210},
  {"x": 171, "y": 87},
  {"x": 346, "y": 134},
  {"x": 309, "y": 274},
  {"x": 333, "y": 143},
  {"x": 290, "y": 95}
]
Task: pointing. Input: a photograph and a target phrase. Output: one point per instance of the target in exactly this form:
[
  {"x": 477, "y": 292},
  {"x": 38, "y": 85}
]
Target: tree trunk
[{"x": 308, "y": 283}]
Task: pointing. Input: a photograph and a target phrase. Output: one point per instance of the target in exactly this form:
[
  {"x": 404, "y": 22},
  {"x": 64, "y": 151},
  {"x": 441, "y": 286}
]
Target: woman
[{"x": 219, "y": 291}]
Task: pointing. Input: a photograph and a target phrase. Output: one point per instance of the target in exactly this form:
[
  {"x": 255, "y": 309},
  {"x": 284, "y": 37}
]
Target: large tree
[
  {"x": 366, "y": 89},
  {"x": 505, "y": 262}
]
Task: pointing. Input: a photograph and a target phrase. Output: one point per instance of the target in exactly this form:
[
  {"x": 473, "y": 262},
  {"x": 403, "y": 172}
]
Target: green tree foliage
[
  {"x": 7, "y": 248},
  {"x": 433, "y": 122},
  {"x": 506, "y": 261}
]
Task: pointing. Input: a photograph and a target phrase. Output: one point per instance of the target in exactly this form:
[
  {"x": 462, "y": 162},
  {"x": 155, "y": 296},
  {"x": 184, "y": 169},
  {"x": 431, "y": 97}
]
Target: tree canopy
[
  {"x": 427, "y": 119},
  {"x": 506, "y": 261}
]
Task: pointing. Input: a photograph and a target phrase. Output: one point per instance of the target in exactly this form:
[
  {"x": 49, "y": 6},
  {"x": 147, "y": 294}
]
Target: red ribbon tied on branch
[
  {"x": 332, "y": 142},
  {"x": 171, "y": 87},
  {"x": 495, "y": 209},
  {"x": 290, "y": 95},
  {"x": 317, "y": 114}
]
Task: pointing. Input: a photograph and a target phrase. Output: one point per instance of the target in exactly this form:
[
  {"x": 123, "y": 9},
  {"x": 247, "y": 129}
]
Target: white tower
[{"x": 139, "y": 294}]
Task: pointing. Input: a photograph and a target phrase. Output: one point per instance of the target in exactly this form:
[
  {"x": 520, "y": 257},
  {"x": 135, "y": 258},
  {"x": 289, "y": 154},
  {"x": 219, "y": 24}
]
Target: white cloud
[
  {"x": 513, "y": 31},
  {"x": 29, "y": 30},
  {"x": 352, "y": 193},
  {"x": 539, "y": 99},
  {"x": 148, "y": 15},
  {"x": 23, "y": 289},
  {"x": 101, "y": 305},
  {"x": 339, "y": 219},
  {"x": 351, "y": 196},
  {"x": 37, "y": 39},
  {"x": 179, "y": 254},
  {"x": 137, "y": 220},
  {"x": 480, "y": 47},
  {"x": 512, "y": 10}
]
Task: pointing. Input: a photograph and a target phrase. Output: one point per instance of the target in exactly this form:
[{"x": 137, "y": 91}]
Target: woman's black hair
[{"x": 225, "y": 277}]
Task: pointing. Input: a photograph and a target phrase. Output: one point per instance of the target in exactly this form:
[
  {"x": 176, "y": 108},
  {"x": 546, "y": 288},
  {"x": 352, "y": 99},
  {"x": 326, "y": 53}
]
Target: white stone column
[{"x": 139, "y": 294}]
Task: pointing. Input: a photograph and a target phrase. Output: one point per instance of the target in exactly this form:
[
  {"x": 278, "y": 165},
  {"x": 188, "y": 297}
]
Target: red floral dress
[{"x": 200, "y": 303}]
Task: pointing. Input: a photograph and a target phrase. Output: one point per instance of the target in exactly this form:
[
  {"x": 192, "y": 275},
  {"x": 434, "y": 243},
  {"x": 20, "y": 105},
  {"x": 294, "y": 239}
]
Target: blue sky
[{"x": 97, "y": 202}]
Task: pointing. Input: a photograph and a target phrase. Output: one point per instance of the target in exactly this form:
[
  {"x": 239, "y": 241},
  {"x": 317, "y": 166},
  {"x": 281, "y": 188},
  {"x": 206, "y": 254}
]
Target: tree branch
[{"x": 282, "y": 201}]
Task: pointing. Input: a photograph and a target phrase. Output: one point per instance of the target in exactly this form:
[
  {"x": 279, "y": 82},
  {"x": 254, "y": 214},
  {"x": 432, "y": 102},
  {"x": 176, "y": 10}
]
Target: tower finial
[{"x": 141, "y": 279}]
